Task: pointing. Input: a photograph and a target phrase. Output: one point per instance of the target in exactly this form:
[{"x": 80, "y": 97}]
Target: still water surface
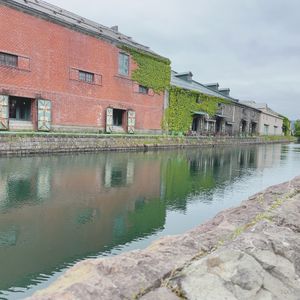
[{"x": 58, "y": 210}]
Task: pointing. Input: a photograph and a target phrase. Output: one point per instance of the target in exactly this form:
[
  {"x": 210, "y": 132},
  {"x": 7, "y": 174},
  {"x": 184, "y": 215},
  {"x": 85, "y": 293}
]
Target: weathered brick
[{"x": 50, "y": 52}]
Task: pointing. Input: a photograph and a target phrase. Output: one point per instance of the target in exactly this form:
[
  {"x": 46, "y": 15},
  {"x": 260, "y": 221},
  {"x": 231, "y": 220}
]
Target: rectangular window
[
  {"x": 8, "y": 59},
  {"x": 143, "y": 89},
  {"x": 86, "y": 76},
  {"x": 123, "y": 64},
  {"x": 266, "y": 129}
]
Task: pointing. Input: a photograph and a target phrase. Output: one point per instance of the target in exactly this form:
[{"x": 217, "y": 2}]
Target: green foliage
[
  {"x": 297, "y": 128},
  {"x": 286, "y": 126},
  {"x": 152, "y": 71},
  {"x": 179, "y": 117},
  {"x": 274, "y": 138},
  {"x": 182, "y": 175}
]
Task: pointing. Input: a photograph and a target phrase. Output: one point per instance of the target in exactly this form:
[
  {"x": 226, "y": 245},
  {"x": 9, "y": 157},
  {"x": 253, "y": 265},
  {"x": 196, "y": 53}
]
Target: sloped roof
[
  {"x": 74, "y": 21},
  {"x": 199, "y": 87},
  {"x": 196, "y": 86},
  {"x": 262, "y": 107},
  {"x": 256, "y": 105}
]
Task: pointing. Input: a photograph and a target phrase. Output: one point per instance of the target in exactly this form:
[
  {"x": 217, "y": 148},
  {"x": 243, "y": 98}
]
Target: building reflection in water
[{"x": 55, "y": 210}]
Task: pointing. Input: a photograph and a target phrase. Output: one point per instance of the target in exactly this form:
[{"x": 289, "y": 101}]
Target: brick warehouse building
[{"x": 61, "y": 72}]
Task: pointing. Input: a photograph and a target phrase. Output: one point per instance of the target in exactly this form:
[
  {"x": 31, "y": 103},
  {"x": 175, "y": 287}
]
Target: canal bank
[
  {"x": 39, "y": 143},
  {"x": 248, "y": 252}
]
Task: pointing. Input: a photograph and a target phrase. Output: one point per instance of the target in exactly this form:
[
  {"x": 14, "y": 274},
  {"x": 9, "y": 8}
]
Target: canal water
[{"x": 58, "y": 210}]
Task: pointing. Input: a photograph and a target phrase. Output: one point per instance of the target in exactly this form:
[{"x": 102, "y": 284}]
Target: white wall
[{"x": 273, "y": 123}]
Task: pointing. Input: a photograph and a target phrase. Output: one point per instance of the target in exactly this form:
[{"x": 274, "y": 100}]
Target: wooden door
[
  {"x": 4, "y": 112},
  {"x": 131, "y": 121},
  {"x": 44, "y": 115},
  {"x": 109, "y": 120}
]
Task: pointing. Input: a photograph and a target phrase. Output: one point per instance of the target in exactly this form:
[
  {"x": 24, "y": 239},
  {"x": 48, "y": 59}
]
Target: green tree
[
  {"x": 297, "y": 128},
  {"x": 286, "y": 126}
]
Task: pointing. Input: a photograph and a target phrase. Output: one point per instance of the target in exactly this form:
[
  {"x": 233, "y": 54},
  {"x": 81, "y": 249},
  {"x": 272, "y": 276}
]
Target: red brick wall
[{"x": 48, "y": 52}]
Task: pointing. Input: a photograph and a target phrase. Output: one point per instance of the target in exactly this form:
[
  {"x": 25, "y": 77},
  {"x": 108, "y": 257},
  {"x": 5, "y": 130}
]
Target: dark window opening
[
  {"x": 244, "y": 126},
  {"x": 253, "y": 128},
  {"x": 86, "y": 76},
  {"x": 143, "y": 89},
  {"x": 229, "y": 129},
  {"x": 195, "y": 124},
  {"x": 8, "y": 59},
  {"x": 219, "y": 124},
  {"x": 20, "y": 108},
  {"x": 117, "y": 117}
]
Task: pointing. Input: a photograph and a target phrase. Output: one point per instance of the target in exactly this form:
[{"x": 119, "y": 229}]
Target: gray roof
[
  {"x": 254, "y": 104},
  {"x": 199, "y": 87},
  {"x": 212, "y": 84},
  {"x": 262, "y": 107},
  {"x": 184, "y": 73},
  {"x": 73, "y": 21},
  {"x": 195, "y": 86}
]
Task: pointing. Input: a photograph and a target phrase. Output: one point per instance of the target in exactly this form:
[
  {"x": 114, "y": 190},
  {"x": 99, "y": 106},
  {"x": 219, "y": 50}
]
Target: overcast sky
[{"x": 250, "y": 46}]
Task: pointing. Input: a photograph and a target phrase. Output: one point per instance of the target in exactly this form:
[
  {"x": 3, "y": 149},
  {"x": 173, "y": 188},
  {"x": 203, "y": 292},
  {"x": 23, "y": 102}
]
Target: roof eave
[{"x": 33, "y": 11}]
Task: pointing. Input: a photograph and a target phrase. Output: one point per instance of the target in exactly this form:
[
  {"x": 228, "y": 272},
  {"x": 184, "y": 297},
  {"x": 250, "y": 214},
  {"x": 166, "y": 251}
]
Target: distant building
[
  {"x": 62, "y": 72},
  {"x": 233, "y": 118},
  {"x": 270, "y": 122}
]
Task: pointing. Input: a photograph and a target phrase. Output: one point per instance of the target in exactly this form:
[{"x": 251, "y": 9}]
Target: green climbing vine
[
  {"x": 178, "y": 117},
  {"x": 286, "y": 126},
  {"x": 152, "y": 71}
]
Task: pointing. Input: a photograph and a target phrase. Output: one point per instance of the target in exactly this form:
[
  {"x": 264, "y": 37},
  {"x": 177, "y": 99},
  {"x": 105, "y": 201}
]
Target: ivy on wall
[
  {"x": 179, "y": 117},
  {"x": 297, "y": 128},
  {"x": 152, "y": 71},
  {"x": 286, "y": 126}
]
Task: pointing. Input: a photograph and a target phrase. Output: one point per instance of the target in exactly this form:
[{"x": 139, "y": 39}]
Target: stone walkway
[{"x": 248, "y": 252}]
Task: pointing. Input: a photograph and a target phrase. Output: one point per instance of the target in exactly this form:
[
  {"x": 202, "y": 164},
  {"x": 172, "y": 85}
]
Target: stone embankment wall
[
  {"x": 63, "y": 143},
  {"x": 248, "y": 252}
]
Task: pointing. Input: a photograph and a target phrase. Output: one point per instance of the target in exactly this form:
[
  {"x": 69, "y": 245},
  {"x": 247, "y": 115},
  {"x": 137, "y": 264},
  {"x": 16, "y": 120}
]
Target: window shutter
[
  {"x": 131, "y": 121},
  {"x": 109, "y": 120},
  {"x": 4, "y": 112},
  {"x": 44, "y": 115}
]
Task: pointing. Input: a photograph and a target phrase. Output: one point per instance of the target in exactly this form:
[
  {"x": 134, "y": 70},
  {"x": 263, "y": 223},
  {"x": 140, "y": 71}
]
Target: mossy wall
[
  {"x": 182, "y": 102},
  {"x": 153, "y": 72}
]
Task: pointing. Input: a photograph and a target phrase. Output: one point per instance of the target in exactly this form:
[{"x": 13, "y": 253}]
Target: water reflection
[{"x": 55, "y": 210}]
